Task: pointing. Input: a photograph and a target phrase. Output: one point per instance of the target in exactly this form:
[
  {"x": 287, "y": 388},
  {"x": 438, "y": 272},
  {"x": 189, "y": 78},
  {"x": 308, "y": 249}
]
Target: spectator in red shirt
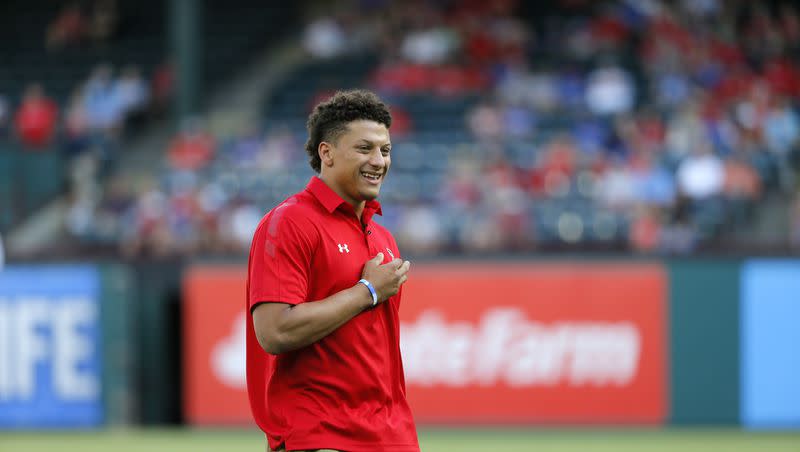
[
  {"x": 35, "y": 122},
  {"x": 324, "y": 286},
  {"x": 68, "y": 28},
  {"x": 192, "y": 149}
]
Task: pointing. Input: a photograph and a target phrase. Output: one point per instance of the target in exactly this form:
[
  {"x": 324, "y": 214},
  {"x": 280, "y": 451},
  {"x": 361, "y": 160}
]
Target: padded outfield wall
[{"x": 539, "y": 342}]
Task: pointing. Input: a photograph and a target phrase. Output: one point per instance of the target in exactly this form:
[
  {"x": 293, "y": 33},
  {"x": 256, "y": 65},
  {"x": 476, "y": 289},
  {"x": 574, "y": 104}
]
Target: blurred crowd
[
  {"x": 86, "y": 129},
  {"x": 63, "y": 109},
  {"x": 78, "y": 23},
  {"x": 97, "y": 110},
  {"x": 645, "y": 126},
  {"x": 210, "y": 192}
]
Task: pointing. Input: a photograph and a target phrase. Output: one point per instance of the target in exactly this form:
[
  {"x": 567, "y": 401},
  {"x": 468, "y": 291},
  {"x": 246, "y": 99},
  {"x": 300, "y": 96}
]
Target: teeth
[{"x": 371, "y": 176}]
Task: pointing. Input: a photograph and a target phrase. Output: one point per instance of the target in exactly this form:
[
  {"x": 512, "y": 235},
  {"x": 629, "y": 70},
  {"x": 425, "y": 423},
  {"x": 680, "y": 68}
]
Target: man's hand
[{"x": 386, "y": 278}]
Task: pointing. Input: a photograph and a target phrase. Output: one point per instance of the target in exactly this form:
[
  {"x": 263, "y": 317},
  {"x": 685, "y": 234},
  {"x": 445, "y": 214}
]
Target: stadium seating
[{"x": 232, "y": 31}]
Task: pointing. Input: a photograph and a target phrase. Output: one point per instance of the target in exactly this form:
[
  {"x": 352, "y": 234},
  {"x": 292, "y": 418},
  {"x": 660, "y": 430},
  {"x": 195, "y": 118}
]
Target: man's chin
[{"x": 369, "y": 195}]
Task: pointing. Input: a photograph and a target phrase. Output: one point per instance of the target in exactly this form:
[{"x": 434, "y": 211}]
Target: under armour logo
[{"x": 343, "y": 248}]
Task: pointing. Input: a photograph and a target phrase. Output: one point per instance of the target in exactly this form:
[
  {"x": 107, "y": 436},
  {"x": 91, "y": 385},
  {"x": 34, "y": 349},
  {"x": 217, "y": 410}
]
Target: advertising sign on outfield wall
[
  {"x": 215, "y": 385},
  {"x": 536, "y": 343},
  {"x": 50, "y": 369},
  {"x": 770, "y": 341},
  {"x": 481, "y": 343}
]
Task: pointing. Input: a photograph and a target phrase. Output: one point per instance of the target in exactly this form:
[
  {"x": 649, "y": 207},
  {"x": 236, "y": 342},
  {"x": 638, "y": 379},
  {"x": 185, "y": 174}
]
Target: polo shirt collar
[{"x": 331, "y": 201}]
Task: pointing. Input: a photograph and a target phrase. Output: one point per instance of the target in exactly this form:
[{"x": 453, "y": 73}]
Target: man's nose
[{"x": 377, "y": 159}]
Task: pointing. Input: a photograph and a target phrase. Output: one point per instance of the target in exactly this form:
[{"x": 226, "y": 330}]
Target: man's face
[{"x": 358, "y": 162}]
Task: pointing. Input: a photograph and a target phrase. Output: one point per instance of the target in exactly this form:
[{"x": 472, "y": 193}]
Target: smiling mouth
[{"x": 372, "y": 177}]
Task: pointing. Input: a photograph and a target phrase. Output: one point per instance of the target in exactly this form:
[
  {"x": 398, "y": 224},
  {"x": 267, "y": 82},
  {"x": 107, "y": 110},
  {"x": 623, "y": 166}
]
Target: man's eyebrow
[{"x": 364, "y": 140}]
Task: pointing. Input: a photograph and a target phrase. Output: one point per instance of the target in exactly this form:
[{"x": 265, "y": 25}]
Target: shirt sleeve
[{"x": 280, "y": 261}]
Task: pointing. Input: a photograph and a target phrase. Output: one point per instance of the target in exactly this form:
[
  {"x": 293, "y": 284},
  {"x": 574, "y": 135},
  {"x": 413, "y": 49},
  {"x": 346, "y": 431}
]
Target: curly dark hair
[{"x": 329, "y": 119}]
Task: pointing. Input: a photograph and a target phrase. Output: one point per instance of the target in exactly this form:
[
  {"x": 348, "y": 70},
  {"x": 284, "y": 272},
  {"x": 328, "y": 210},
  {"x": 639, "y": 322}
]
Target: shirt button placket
[{"x": 368, "y": 240}]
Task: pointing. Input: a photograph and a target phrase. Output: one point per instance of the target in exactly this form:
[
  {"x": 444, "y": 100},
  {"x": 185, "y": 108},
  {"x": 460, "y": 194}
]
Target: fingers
[
  {"x": 396, "y": 263},
  {"x": 403, "y": 268},
  {"x": 377, "y": 259}
]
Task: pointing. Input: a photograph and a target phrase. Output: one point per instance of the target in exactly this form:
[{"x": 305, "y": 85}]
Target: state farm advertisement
[
  {"x": 214, "y": 379},
  {"x": 536, "y": 343},
  {"x": 482, "y": 343}
]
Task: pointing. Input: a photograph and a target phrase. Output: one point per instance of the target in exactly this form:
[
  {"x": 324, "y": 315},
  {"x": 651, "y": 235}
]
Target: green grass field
[{"x": 441, "y": 440}]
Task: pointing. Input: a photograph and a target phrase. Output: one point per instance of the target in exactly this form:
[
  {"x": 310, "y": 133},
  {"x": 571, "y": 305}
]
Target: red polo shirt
[{"x": 347, "y": 391}]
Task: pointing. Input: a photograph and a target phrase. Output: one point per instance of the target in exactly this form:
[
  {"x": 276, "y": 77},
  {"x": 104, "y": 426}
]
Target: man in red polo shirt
[{"x": 324, "y": 370}]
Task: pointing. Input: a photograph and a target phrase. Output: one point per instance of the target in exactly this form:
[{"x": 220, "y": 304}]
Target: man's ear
[{"x": 325, "y": 151}]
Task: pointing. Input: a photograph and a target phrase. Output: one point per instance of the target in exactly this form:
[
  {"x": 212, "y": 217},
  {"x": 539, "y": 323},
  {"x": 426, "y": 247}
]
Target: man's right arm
[{"x": 281, "y": 327}]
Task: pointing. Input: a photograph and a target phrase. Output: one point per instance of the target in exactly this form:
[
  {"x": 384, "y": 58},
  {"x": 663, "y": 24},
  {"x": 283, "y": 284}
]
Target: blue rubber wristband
[{"x": 371, "y": 290}]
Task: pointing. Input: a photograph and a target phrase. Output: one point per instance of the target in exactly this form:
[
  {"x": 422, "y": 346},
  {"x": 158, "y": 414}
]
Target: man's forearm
[{"x": 297, "y": 326}]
